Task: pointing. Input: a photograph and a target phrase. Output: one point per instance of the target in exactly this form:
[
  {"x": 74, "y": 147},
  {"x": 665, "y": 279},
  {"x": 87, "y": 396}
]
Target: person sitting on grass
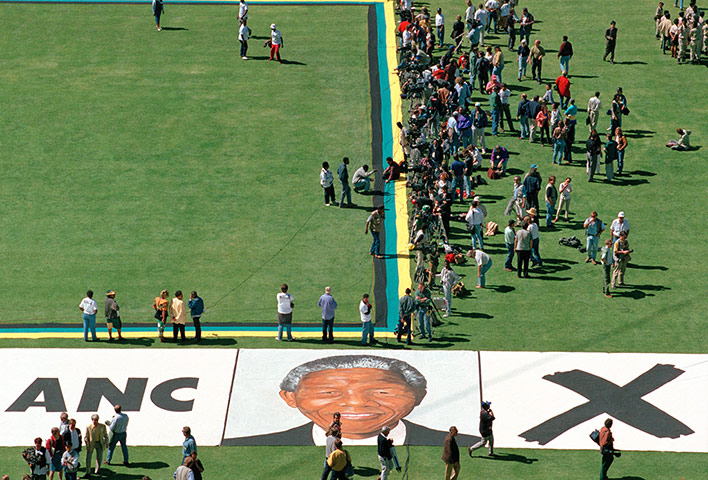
[{"x": 682, "y": 143}]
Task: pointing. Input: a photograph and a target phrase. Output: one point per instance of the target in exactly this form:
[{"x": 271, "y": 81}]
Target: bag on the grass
[
  {"x": 494, "y": 174},
  {"x": 625, "y": 111},
  {"x": 492, "y": 229}
]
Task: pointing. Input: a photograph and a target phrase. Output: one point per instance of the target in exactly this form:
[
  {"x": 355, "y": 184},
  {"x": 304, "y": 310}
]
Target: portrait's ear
[{"x": 289, "y": 398}]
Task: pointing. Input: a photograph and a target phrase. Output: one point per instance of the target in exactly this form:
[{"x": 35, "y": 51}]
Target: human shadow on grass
[
  {"x": 366, "y": 471},
  {"x": 632, "y": 62},
  {"x": 175, "y": 29},
  {"x": 514, "y": 171},
  {"x": 582, "y": 76},
  {"x": 474, "y": 315},
  {"x": 510, "y": 457},
  {"x": 639, "y": 133},
  {"x": 627, "y": 477},
  {"x": 213, "y": 341},
  {"x": 624, "y": 181},
  {"x": 139, "y": 342},
  {"x": 500, "y": 288},
  {"x": 148, "y": 465},
  {"x": 354, "y": 206},
  {"x": 519, "y": 88},
  {"x": 647, "y": 267},
  {"x": 107, "y": 474},
  {"x": 642, "y": 173}
]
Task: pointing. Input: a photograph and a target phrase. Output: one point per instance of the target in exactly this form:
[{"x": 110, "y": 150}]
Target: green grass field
[
  {"x": 250, "y": 463},
  {"x": 140, "y": 161}
]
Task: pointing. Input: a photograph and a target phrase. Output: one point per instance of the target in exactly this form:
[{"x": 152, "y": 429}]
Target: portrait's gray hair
[{"x": 408, "y": 373}]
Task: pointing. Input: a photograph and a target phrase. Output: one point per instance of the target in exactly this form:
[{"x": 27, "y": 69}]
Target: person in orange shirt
[
  {"x": 160, "y": 305},
  {"x": 607, "y": 448}
]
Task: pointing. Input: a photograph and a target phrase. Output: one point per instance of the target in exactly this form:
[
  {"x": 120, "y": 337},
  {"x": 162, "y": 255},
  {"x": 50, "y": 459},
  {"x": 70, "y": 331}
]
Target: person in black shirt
[
  {"x": 486, "y": 417},
  {"x": 611, "y": 40},
  {"x": 444, "y": 207},
  {"x": 458, "y": 29},
  {"x": 532, "y": 184}
]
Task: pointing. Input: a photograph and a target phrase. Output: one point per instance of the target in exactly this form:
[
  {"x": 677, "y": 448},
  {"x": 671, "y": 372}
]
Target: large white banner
[
  {"x": 288, "y": 397},
  {"x": 160, "y": 390},
  {"x": 554, "y": 400}
]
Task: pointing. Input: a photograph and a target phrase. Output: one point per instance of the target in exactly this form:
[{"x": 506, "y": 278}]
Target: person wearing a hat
[
  {"x": 522, "y": 246},
  {"x": 88, "y": 309},
  {"x": 535, "y": 237},
  {"x": 486, "y": 417},
  {"x": 618, "y": 226},
  {"x": 113, "y": 315},
  {"x": 276, "y": 43},
  {"x": 522, "y": 56}
]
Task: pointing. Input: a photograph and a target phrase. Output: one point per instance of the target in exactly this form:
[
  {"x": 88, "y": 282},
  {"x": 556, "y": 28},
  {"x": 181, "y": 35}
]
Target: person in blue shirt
[
  {"x": 196, "y": 309},
  {"x": 458, "y": 169},
  {"x": 328, "y": 306},
  {"x": 189, "y": 445},
  {"x": 343, "y": 175}
]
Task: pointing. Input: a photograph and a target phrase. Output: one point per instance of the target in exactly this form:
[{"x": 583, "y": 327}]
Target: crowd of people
[
  {"x": 60, "y": 454},
  {"x": 686, "y": 36}
]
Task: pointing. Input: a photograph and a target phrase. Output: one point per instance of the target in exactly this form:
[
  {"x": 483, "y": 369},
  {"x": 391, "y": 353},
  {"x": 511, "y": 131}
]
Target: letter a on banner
[{"x": 53, "y": 397}]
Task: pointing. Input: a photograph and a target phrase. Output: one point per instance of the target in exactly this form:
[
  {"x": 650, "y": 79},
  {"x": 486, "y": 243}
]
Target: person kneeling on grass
[
  {"x": 361, "y": 181},
  {"x": 682, "y": 143}
]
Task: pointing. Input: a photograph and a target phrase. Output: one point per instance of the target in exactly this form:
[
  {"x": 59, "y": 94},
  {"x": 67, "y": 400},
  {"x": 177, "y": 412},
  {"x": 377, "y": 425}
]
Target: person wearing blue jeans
[
  {"x": 328, "y": 306},
  {"x": 88, "y": 308},
  {"x": 423, "y": 300},
  {"x": 593, "y": 229},
  {"x": 509, "y": 237},
  {"x": 440, "y": 26},
  {"x": 551, "y": 199},
  {"x": 375, "y": 223},
  {"x": 565, "y": 52},
  {"x": 118, "y": 426},
  {"x": 475, "y": 219},
  {"x": 367, "y": 326},
  {"x": 495, "y": 105},
  {"x": 484, "y": 263}
]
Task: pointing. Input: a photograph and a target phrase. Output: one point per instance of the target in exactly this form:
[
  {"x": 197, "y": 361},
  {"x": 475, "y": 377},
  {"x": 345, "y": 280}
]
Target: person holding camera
[
  {"x": 607, "y": 448},
  {"x": 621, "y": 258},
  {"x": 423, "y": 302},
  {"x": 367, "y": 327},
  {"x": 285, "y": 312}
]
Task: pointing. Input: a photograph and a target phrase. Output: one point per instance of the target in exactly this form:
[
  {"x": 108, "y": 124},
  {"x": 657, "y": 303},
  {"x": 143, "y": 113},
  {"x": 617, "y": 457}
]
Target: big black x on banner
[{"x": 622, "y": 403}]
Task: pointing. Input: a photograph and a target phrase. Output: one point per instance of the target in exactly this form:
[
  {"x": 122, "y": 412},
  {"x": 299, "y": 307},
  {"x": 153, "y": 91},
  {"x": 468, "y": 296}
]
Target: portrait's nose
[{"x": 355, "y": 397}]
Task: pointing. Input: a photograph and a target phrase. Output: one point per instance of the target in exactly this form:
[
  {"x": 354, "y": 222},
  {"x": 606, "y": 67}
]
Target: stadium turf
[{"x": 250, "y": 463}]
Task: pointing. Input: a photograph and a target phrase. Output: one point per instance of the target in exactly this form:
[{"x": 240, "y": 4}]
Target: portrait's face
[{"x": 367, "y": 398}]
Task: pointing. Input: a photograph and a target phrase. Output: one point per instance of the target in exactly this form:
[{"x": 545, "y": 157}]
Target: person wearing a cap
[
  {"x": 621, "y": 257},
  {"x": 522, "y": 56},
  {"x": 276, "y": 43},
  {"x": 532, "y": 184},
  {"x": 88, "y": 309},
  {"x": 112, "y": 312},
  {"x": 619, "y": 225},
  {"x": 486, "y": 417},
  {"x": 242, "y": 11}
]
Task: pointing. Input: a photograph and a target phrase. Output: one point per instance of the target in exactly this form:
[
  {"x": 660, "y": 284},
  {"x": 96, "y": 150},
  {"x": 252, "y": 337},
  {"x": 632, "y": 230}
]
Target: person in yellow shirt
[
  {"x": 160, "y": 305},
  {"x": 96, "y": 438},
  {"x": 338, "y": 461},
  {"x": 179, "y": 316}
]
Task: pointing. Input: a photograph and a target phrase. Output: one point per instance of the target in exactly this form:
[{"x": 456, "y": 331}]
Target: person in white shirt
[
  {"x": 327, "y": 182},
  {"x": 118, "y": 425},
  {"x": 440, "y": 26},
  {"x": 276, "y": 43},
  {"x": 285, "y": 312},
  {"x": 492, "y": 6},
  {"x": 361, "y": 181},
  {"x": 242, "y": 11},
  {"x": 594, "y": 109},
  {"x": 448, "y": 278},
  {"x": 179, "y": 316},
  {"x": 484, "y": 263},
  {"x": 475, "y": 220},
  {"x": 564, "y": 190},
  {"x": 367, "y": 327},
  {"x": 482, "y": 16},
  {"x": 469, "y": 14},
  {"x": 243, "y": 33},
  {"x": 89, "y": 307},
  {"x": 618, "y": 226}
]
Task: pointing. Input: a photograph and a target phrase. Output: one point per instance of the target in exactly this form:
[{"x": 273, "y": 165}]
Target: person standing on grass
[
  {"x": 338, "y": 460},
  {"x": 551, "y": 197},
  {"x": 406, "y": 307},
  {"x": 384, "y": 445},
  {"x": 243, "y": 33},
  {"x": 504, "y": 95},
  {"x": 70, "y": 462},
  {"x": 96, "y": 439},
  {"x": 189, "y": 445},
  {"x": 593, "y": 229},
  {"x": 565, "y": 191},
  {"x": 594, "y": 108},
  {"x": 184, "y": 471},
  {"x": 448, "y": 278},
  {"x": 621, "y": 257},
  {"x": 196, "y": 309},
  {"x": 285, "y": 312},
  {"x": 522, "y": 246},
  {"x": 38, "y": 460},
  {"x": 535, "y": 237},
  {"x": 532, "y": 185},
  {"x": 565, "y": 53},
  {"x": 423, "y": 300},
  {"x": 522, "y": 56},
  {"x": 157, "y": 10},
  {"x": 509, "y": 236},
  {"x": 112, "y": 311},
  {"x": 536, "y": 55},
  {"x": 607, "y": 260},
  {"x": 328, "y": 306},
  {"x": 276, "y": 43},
  {"x": 522, "y": 115},
  {"x": 343, "y": 174},
  {"x": 179, "y": 316},
  {"x": 451, "y": 455},
  {"x": 89, "y": 308},
  {"x": 593, "y": 148},
  {"x": 197, "y": 467},
  {"x": 327, "y": 182},
  {"x": 332, "y": 434},
  {"x": 563, "y": 86},
  {"x": 160, "y": 304},
  {"x": 440, "y": 26},
  {"x": 367, "y": 326},
  {"x": 118, "y": 425},
  {"x": 534, "y": 106},
  {"x": 610, "y": 42},
  {"x": 621, "y": 140},
  {"x": 242, "y": 12},
  {"x": 374, "y": 224},
  {"x": 486, "y": 418},
  {"x": 610, "y": 156}
]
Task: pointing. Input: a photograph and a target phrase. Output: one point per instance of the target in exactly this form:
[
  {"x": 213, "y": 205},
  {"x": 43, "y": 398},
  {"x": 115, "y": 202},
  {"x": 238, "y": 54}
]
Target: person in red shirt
[
  {"x": 607, "y": 448},
  {"x": 563, "y": 87},
  {"x": 403, "y": 25}
]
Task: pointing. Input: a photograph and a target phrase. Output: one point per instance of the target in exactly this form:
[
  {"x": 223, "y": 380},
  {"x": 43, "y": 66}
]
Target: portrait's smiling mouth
[{"x": 358, "y": 416}]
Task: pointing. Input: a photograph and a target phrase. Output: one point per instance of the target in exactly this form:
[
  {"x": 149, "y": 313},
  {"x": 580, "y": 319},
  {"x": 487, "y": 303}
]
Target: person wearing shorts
[
  {"x": 160, "y": 305},
  {"x": 113, "y": 315}
]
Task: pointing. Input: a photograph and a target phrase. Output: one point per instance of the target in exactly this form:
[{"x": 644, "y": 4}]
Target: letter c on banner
[{"x": 162, "y": 394}]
